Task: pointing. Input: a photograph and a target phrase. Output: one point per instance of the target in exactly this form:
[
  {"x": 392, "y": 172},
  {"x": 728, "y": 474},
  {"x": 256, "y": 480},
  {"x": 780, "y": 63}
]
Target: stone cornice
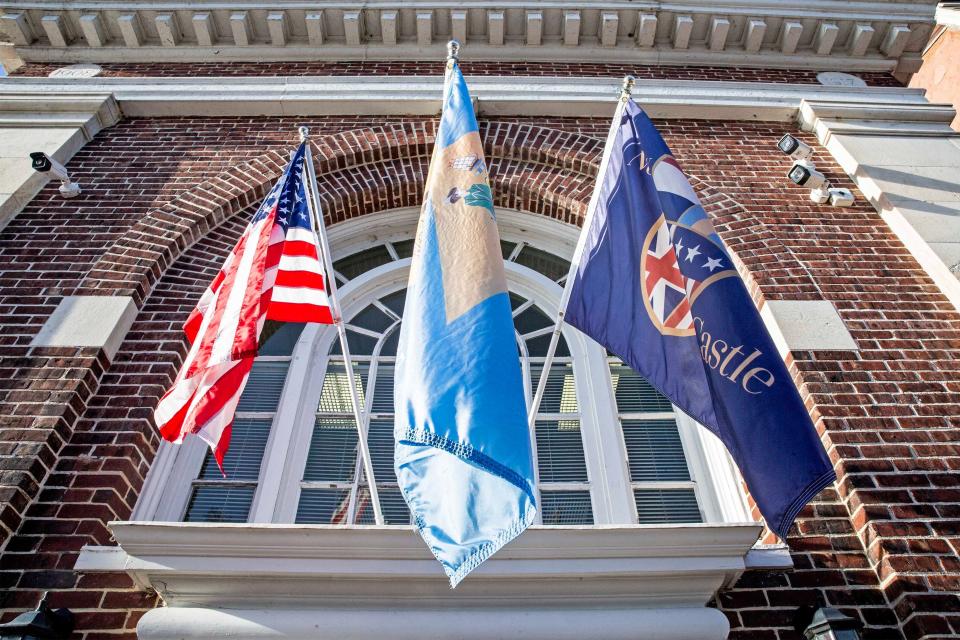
[
  {"x": 495, "y": 96},
  {"x": 820, "y": 34},
  {"x": 86, "y": 110},
  {"x": 214, "y": 565}
]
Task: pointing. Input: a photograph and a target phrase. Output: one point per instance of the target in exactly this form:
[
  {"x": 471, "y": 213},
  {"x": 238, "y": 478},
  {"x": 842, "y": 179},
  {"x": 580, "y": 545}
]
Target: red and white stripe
[
  {"x": 268, "y": 275},
  {"x": 294, "y": 288}
]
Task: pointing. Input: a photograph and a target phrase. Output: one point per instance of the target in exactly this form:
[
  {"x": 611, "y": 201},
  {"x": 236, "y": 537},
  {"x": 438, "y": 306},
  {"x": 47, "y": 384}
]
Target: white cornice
[
  {"x": 328, "y": 571},
  {"x": 496, "y": 96},
  {"x": 865, "y": 35}
]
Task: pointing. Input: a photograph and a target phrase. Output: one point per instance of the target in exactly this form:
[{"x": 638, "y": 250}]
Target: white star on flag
[
  {"x": 693, "y": 253},
  {"x": 712, "y": 263}
]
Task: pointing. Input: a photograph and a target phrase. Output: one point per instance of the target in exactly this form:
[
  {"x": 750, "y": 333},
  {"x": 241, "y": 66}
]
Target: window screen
[
  {"x": 333, "y": 489},
  {"x": 663, "y": 489},
  {"x": 228, "y": 496}
]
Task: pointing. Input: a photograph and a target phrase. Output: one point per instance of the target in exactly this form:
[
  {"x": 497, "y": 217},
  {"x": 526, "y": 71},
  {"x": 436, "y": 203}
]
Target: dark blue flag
[{"x": 656, "y": 286}]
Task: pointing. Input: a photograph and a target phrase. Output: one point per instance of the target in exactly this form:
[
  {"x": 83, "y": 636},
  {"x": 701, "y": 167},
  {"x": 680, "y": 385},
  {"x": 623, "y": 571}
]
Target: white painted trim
[
  {"x": 495, "y": 96},
  {"x": 330, "y": 568},
  {"x": 413, "y": 622}
]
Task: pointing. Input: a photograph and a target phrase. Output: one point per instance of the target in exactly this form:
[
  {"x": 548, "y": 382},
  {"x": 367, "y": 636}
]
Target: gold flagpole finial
[
  {"x": 626, "y": 88},
  {"x": 304, "y": 133},
  {"x": 453, "y": 52}
]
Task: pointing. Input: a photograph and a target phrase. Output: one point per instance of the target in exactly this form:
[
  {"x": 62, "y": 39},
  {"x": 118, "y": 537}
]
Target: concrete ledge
[
  {"x": 407, "y": 621},
  {"x": 88, "y": 321},
  {"x": 806, "y": 325}
]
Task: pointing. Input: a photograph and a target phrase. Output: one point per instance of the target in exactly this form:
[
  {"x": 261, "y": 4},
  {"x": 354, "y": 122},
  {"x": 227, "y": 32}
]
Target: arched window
[{"x": 609, "y": 448}]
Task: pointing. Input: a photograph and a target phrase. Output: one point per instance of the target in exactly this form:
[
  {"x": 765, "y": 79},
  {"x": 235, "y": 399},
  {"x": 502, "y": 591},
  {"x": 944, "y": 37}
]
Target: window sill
[{"x": 292, "y": 581}]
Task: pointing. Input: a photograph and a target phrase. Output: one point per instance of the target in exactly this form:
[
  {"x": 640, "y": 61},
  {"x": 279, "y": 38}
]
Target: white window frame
[{"x": 717, "y": 483}]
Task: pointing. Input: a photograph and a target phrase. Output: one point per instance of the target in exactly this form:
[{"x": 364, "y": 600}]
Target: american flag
[{"x": 274, "y": 273}]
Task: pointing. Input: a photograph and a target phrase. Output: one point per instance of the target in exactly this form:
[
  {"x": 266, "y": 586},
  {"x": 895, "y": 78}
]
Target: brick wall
[
  {"x": 75, "y": 434},
  {"x": 394, "y": 67}
]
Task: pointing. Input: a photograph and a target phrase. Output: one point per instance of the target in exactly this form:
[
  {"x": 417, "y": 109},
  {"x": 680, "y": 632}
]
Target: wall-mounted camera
[
  {"x": 42, "y": 163},
  {"x": 795, "y": 148},
  {"x": 804, "y": 173}
]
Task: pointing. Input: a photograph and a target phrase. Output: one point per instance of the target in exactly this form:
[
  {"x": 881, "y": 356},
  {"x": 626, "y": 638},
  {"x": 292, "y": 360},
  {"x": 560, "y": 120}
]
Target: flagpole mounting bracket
[
  {"x": 304, "y": 133},
  {"x": 626, "y": 87}
]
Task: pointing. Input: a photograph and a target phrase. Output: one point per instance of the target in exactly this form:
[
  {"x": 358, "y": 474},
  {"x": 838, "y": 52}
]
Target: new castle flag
[
  {"x": 463, "y": 456},
  {"x": 656, "y": 286},
  {"x": 274, "y": 273}
]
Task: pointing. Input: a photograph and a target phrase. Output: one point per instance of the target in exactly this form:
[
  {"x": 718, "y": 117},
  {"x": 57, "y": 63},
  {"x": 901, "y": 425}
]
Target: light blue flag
[{"x": 463, "y": 456}]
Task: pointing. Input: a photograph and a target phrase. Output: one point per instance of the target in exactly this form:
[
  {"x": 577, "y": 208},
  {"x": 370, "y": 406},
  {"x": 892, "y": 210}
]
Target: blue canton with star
[
  {"x": 289, "y": 195},
  {"x": 697, "y": 256}
]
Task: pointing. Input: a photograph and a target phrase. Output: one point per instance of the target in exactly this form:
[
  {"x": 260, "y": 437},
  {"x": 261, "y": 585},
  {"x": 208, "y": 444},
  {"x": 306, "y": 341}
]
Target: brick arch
[
  {"x": 534, "y": 169},
  {"x": 362, "y": 170}
]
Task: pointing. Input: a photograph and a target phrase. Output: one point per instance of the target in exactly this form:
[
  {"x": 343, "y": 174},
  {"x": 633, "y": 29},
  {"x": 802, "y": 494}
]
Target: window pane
[
  {"x": 264, "y": 387},
  {"x": 560, "y": 451},
  {"x": 548, "y": 264},
  {"x": 335, "y": 395},
  {"x": 507, "y": 248},
  {"x": 220, "y": 504},
  {"x": 242, "y": 461},
  {"x": 566, "y": 507},
  {"x": 353, "y": 265},
  {"x": 360, "y": 344},
  {"x": 404, "y": 248},
  {"x": 537, "y": 347},
  {"x": 392, "y": 505},
  {"x": 323, "y": 506},
  {"x": 333, "y": 451},
  {"x": 395, "y": 301},
  {"x": 372, "y": 319},
  {"x": 380, "y": 441},
  {"x": 531, "y": 319},
  {"x": 634, "y": 394},
  {"x": 389, "y": 348},
  {"x": 656, "y": 506},
  {"x": 383, "y": 391},
  {"x": 279, "y": 338},
  {"x": 654, "y": 450},
  {"x": 560, "y": 394}
]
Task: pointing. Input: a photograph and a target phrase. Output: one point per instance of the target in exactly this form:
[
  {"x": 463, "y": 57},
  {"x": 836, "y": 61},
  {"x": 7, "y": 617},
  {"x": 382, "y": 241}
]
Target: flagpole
[
  {"x": 320, "y": 236},
  {"x": 625, "y": 90}
]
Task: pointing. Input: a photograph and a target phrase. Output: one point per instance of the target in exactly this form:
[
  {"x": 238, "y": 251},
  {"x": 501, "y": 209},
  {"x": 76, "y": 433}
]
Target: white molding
[
  {"x": 264, "y": 565},
  {"x": 300, "y": 582},
  {"x": 567, "y": 30},
  {"x": 404, "y": 621},
  {"x": 495, "y": 96},
  {"x": 773, "y": 557}
]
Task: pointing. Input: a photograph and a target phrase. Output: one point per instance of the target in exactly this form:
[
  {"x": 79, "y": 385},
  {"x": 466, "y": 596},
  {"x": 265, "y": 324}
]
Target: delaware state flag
[
  {"x": 463, "y": 455},
  {"x": 656, "y": 286}
]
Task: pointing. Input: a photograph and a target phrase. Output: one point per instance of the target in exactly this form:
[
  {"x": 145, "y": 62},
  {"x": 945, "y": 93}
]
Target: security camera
[
  {"x": 42, "y": 163},
  {"x": 805, "y": 174},
  {"x": 794, "y": 148}
]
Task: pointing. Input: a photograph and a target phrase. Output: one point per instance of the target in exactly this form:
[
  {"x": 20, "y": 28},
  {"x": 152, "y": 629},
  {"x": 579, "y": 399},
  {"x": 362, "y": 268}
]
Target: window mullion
[{"x": 603, "y": 443}]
